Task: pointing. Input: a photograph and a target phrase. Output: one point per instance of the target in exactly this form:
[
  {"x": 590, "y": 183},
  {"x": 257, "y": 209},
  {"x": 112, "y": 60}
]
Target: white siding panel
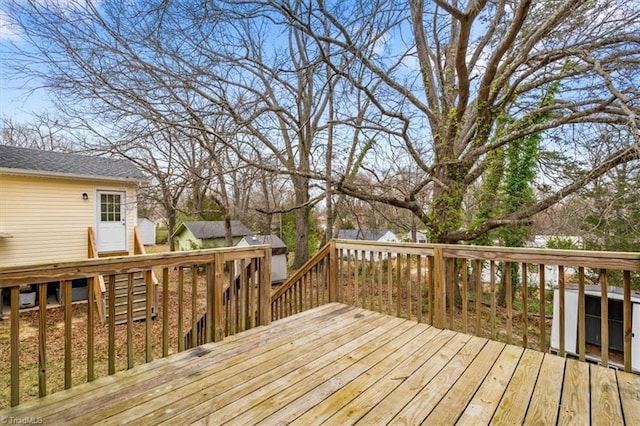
[{"x": 48, "y": 218}]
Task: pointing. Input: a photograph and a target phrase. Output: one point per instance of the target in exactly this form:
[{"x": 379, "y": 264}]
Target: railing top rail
[
  {"x": 590, "y": 259},
  {"x": 11, "y": 275},
  {"x": 324, "y": 251}
]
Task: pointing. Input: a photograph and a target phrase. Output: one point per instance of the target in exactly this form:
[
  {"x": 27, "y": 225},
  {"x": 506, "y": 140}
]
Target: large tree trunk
[{"x": 302, "y": 222}]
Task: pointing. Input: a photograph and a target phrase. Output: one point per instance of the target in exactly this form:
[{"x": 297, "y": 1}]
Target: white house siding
[{"x": 48, "y": 219}]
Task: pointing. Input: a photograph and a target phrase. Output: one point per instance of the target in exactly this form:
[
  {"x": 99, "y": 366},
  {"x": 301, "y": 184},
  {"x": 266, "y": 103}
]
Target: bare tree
[
  {"x": 43, "y": 132},
  {"x": 325, "y": 90},
  {"x": 451, "y": 72}
]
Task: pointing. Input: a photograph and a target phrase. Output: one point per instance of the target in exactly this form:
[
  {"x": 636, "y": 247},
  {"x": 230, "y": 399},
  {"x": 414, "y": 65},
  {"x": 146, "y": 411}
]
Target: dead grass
[{"x": 55, "y": 342}]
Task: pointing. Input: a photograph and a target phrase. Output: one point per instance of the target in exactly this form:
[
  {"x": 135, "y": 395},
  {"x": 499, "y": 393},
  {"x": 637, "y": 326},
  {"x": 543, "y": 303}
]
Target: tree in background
[
  {"x": 306, "y": 84},
  {"x": 447, "y": 74}
]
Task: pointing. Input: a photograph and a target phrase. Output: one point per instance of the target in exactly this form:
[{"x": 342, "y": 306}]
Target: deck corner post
[
  {"x": 333, "y": 272},
  {"x": 264, "y": 297},
  {"x": 218, "y": 284},
  {"x": 439, "y": 288}
]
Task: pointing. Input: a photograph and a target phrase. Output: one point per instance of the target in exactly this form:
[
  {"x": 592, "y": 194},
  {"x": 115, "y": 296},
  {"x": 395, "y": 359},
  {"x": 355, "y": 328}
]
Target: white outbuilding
[{"x": 279, "y": 252}]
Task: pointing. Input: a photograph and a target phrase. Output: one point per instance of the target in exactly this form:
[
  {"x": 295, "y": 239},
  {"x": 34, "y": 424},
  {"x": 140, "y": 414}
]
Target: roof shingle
[
  {"x": 27, "y": 159},
  {"x": 215, "y": 229}
]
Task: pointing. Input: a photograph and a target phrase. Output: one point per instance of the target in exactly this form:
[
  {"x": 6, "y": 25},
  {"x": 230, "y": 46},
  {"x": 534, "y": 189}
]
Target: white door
[
  {"x": 111, "y": 221},
  {"x": 635, "y": 338}
]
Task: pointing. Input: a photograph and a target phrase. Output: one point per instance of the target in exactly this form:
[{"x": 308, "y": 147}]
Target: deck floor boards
[{"x": 338, "y": 365}]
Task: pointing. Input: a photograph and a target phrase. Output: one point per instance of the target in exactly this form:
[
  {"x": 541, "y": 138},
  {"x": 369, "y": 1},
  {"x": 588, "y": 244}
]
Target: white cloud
[{"x": 8, "y": 30}]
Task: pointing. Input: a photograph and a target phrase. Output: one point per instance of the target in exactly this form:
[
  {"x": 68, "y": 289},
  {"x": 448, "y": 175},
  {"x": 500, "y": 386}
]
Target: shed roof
[
  {"x": 359, "y": 234},
  {"x": 215, "y": 229},
  {"x": 36, "y": 161},
  {"x": 277, "y": 245}
]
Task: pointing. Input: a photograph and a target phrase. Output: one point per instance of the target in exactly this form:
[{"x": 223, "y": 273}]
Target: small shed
[
  {"x": 279, "y": 252},
  {"x": 380, "y": 235},
  {"x": 207, "y": 234},
  {"x": 147, "y": 230}
]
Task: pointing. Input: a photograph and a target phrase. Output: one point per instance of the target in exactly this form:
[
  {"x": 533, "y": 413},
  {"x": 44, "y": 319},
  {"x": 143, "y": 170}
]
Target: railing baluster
[
  {"x": 450, "y": 277},
  {"x": 509, "y": 296},
  {"x": 130, "y": 320},
  {"x": 265, "y": 290},
  {"x": 463, "y": 272},
  {"x": 419, "y": 287},
  {"x": 582, "y": 329},
  {"x": 371, "y": 280},
  {"x": 91, "y": 314},
  {"x": 492, "y": 292},
  {"x": 626, "y": 319},
  {"x": 543, "y": 309},
  {"x": 356, "y": 268},
  {"x": 112, "y": 325},
  {"x": 477, "y": 268},
  {"x": 253, "y": 281},
  {"x": 15, "y": 345},
  {"x": 524, "y": 291},
  {"x": 604, "y": 319},
  {"x": 398, "y": 284},
  {"x": 66, "y": 288},
  {"x": 218, "y": 288},
  {"x": 347, "y": 289},
  {"x": 165, "y": 312},
  {"x": 430, "y": 290},
  {"x": 561, "y": 303},
  {"x": 244, "y": 296},
  {"x": 148, "y": 279},
  {"x": 301, "y": 292},
  {"x": 180, "y": 308},
  {"x": 409, "y": 285},
  {"x": 194, "y": 305},
  {"x": 439, "y": 289},
  {"x": 389, "y": 284},
  {"x": 42, "y": 340},
  {"x": 379, "y": 268}
]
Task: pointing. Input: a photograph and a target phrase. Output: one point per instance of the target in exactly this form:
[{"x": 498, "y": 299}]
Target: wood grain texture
[
  {"x": 344, "y": 365},
  {"x": 485, "y": 402},
  {"x": 606, "y": 408},
  {"x": 629, "y": 387},
  {"x": 513, "y": 405},
  {"x": 543, "y": 407},
  {"x": 575, "y": 404}
]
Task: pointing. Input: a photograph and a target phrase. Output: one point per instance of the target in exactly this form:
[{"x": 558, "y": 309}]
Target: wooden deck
[{"x": 343, "y": 365}]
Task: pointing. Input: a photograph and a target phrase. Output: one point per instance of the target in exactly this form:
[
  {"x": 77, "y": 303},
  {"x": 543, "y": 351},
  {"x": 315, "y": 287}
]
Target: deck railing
[
  {"x": 458, "y": 287},
  {"x": 193, "y": 283}
]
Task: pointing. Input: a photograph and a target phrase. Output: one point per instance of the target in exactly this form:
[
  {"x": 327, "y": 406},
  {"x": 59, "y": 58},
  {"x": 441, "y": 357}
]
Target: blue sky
[{"x": 17, "y": 99}]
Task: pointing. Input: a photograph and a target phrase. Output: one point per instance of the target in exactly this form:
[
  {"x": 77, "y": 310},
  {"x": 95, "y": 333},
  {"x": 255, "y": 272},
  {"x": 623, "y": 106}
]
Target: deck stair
[
  {"x": 138, "y": 292},
  {"x": 139, "y": 295},
  {"x": 201, "y": 325}
]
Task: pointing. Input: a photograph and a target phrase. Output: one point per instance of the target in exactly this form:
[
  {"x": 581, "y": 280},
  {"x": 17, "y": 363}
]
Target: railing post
[
  {"x": 333, "y": 272},
  {"x": 218, "y": 280},
  {"x": 439, "y": 288},
  {"x": 264, "y": 290}
]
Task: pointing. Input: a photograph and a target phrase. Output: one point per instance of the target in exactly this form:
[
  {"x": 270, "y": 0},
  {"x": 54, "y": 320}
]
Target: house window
[{"x": 110, "y": 208}]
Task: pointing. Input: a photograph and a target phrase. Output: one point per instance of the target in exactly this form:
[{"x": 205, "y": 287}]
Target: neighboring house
[
  {"x": 542, "y": 241},
  {"x": 279, "y": 253},
  {"x": 379, "y": 235},
  {"x": 48, "y": 200},
  {"x": 147, "y": 229},
  {"x": 207, "y": 234},
  {"x": 421, "y": 237}
]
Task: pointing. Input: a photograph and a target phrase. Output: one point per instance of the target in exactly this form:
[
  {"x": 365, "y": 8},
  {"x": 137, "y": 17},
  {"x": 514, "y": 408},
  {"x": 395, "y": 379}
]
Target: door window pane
[{"x": 110, "y": 208}]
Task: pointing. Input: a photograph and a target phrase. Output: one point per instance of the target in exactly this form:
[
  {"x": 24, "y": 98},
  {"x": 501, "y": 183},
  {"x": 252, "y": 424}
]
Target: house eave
[{"x": 43, "y": 173}]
